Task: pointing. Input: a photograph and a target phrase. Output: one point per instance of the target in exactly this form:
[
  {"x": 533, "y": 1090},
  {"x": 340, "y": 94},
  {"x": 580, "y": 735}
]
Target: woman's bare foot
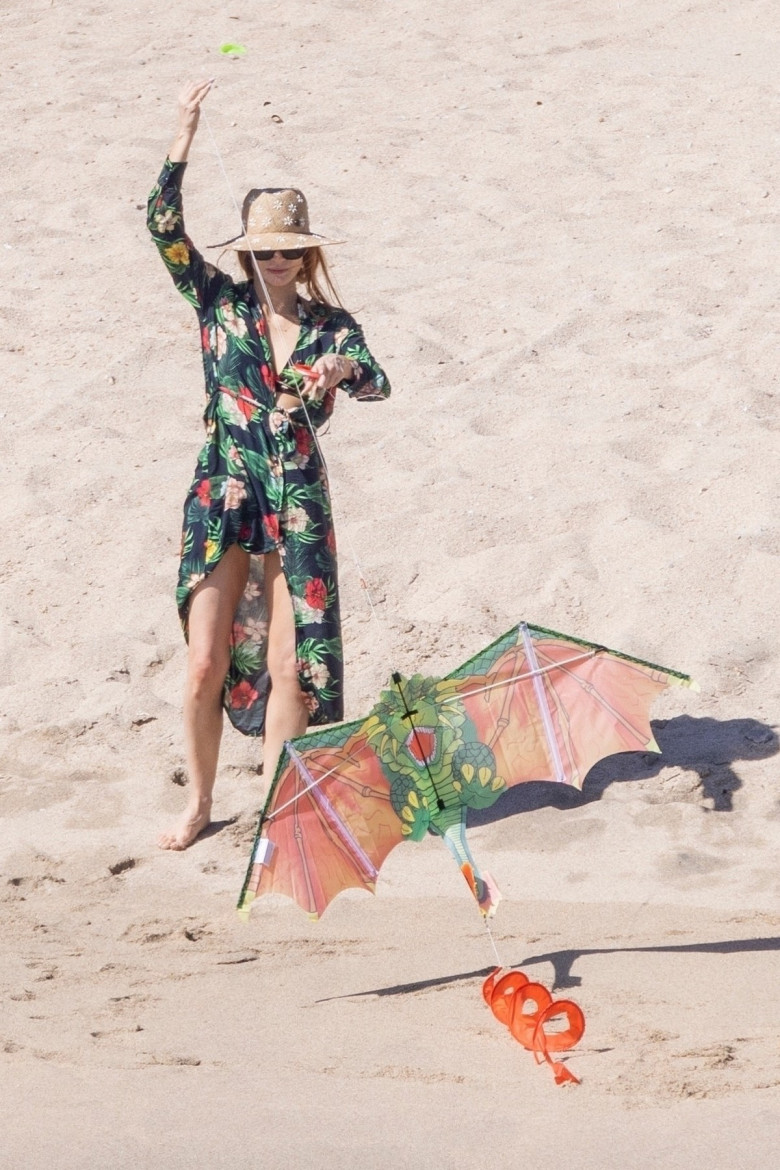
[{"x": 193, "y": 821}]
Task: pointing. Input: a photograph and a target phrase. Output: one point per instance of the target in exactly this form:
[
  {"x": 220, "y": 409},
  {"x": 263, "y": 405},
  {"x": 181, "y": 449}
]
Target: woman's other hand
[{"x": 330, "y": 369}]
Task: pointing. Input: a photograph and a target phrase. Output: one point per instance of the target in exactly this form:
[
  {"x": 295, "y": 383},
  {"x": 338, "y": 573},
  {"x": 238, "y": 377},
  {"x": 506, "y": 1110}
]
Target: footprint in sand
[{"x": 150, "y": 932}]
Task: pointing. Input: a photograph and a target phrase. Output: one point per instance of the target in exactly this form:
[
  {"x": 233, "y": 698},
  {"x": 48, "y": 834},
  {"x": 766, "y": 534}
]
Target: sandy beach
[{"x": 562, "y": 227}]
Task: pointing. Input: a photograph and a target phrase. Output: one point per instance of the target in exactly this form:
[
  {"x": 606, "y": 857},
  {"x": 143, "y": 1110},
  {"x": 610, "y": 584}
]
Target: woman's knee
[
  {"x": 206, "y": 672},
  {"x": 283, "y": 667}
]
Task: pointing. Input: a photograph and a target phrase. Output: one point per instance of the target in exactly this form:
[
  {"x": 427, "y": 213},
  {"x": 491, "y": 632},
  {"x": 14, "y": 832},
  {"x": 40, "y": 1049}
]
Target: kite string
[
  {"x": 227, "y": 180},
  {"x": 271, "y": 310},
  {"x": 273, "y": 325},
  {"x": 273, "y": 321},
  {"x": 361, "y": 577}
]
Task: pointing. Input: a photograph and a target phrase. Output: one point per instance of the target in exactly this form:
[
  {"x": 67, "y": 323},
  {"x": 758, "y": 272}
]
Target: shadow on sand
[
  {"x": 563, "y": 961},
  {"x": 708, "y": 747}
]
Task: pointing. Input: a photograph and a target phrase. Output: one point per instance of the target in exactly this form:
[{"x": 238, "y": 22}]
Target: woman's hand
[
  {"x": 326, "y": 372},
  {"x": 190, "y": 100},
  {"x": 330, "y": 369}
]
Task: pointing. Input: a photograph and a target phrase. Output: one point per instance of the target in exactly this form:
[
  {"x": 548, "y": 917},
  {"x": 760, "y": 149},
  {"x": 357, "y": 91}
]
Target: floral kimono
[{"x": 260, "y": 481}]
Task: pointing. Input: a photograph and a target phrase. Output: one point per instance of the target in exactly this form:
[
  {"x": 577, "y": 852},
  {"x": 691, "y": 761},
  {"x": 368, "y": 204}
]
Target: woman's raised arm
[{"x": 197, "y": 281}]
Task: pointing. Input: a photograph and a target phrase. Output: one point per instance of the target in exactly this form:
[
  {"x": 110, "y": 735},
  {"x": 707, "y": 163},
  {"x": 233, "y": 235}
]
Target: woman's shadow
[{"x": 707, "y": 747}]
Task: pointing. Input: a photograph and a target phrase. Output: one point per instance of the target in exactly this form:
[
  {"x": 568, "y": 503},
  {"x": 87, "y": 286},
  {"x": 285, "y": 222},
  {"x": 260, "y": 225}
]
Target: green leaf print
[
  {"x": 317, "y": 649},
  {"x": 247, "y": 658}
]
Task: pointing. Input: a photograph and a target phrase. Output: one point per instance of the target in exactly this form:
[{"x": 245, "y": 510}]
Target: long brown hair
[{"x": 314, "y": 277}]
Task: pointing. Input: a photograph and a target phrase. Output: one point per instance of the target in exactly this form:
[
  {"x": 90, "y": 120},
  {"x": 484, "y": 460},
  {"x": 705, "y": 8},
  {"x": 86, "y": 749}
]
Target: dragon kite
[{"x": 534, "y": 705}]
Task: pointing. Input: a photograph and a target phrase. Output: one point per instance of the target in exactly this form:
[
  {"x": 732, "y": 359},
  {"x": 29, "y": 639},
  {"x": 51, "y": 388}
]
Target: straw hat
[{"x": 275, "y": 218}]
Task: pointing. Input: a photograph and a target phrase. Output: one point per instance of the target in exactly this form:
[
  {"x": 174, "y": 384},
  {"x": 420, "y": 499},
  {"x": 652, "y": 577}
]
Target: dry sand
[{"x": 562, "y": 223}]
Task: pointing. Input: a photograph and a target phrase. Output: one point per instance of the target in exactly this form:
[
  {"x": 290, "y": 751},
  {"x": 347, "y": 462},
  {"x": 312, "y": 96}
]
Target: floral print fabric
[{"x": 260, "y": 481}]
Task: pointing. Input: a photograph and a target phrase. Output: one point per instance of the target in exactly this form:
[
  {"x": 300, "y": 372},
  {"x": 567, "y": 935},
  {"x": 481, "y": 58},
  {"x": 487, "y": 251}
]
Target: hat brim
[{"x": 276, "y": 241}]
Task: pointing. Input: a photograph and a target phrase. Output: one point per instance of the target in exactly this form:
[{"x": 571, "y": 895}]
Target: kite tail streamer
[{"x": 526, "y": 1008}]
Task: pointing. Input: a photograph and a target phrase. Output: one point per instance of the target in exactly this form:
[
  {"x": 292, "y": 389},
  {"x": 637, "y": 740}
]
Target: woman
[{"x": 258, "y": 594}]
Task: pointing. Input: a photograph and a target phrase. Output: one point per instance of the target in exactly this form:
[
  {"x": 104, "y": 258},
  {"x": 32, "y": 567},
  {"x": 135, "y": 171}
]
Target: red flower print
[
  {"x": 203, "y": 492},
  {"x": 330, "y": 540},
  {"x": 204, "y": 337},
  {"x": 245, "y": 531},
  {"x": 240, "y": 397},
  {"x": 315, "y": 593},
  {"x": 267, "y": 376},
  {"x": 242, "y": 696},
  {"x": 239, "y": 635},
  {"x": 303, "y": 442},
  {"x": 271, "y": 526}
]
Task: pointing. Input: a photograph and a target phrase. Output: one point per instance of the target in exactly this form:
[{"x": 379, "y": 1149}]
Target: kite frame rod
[
  {"x": 544, "y": 707},
  {"x": 504, "y": 682},
  {"x": 294, "y": 799}
]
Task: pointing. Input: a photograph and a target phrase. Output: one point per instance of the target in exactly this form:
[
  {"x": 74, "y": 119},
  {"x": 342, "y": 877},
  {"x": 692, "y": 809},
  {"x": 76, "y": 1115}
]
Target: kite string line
[
  {"x": 273, "y": 324},
  {"x": 493, "y": 943},
  {"x": 361, "y": 577},
  {"x": 233, "y": 200}
]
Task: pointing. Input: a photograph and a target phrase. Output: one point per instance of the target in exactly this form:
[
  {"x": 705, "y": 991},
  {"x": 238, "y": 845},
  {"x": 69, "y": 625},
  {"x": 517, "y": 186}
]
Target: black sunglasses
[{"x": 288, "y": 253}]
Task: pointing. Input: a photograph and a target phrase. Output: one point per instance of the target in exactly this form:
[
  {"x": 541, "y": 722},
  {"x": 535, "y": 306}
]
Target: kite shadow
[
  {"x": 707, "y": 747},
  {"x": 563, "y": 961}
]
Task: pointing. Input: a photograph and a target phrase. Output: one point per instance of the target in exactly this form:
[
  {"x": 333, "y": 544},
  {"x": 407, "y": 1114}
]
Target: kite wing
[
  {"x": 550, "y": 706},
  {"x": 328, "y": 823}
]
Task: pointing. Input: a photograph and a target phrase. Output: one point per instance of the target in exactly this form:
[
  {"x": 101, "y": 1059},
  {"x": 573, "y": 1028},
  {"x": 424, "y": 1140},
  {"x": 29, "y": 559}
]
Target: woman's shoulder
[
  {"x": 242, "y": 289},
  {"x": 328, "y": 316},
  {"x": 229, "y": 289}
]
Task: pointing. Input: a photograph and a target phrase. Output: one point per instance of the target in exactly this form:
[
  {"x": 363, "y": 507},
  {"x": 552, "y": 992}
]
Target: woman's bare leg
[
  {"x": 212, "y": 608},
  {"x": 286, "y": 715}
]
